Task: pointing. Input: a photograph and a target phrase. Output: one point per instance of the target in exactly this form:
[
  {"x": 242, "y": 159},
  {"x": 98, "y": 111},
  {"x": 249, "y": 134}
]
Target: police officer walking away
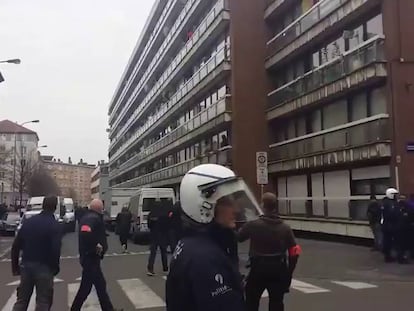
[
  {"x": 159, "y": 225},
  {"x": 39, "y": 240},
  {"x": 92, "y": 247},
  {"x": 389, "y": 221},
  {"x": 202, "y": 274},
  {"x": 273, "y": 256},
  {"x": 123, "y": 227}
]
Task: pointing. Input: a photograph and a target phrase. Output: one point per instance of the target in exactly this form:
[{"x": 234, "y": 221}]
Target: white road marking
[
  {"x": 91, "y": 304},
  {"x": 307, "y": 288},
  {"x": 265, "y": 294},
  {"x": 12, "y": 300},
  {"x": 7, "y": 250},
  {"x": 164, "y": 277},
  {"x": 79, "y": 279},
  {"x": 355, "y": 285},
  {"x": 17, "y": 282},
  {"x": 140, "y": 295}
]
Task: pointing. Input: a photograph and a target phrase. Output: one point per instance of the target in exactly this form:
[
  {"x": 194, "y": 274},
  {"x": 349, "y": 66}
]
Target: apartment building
[
  {"x": 18, "y": 158},
  {"x": 183, "y": 99},
  {"x": 74, "y": 180},
  {"x": 100, "y": 183},
  {"x": 323, "y": 86},
  {"x": 339, "y": 107}
]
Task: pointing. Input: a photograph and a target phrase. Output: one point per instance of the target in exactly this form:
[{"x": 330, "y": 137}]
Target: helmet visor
[{"x": 235, "y": 192}]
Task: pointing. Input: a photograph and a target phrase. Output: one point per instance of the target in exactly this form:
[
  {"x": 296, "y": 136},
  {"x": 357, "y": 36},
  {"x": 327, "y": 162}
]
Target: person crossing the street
[
  {"x": 92, "y": 248},
  {"x": 39, "y": 242},
  {"x": 203, "y": 276},
  {"x": 123, "y": 227},
  {"x": 273, "y": 256}
]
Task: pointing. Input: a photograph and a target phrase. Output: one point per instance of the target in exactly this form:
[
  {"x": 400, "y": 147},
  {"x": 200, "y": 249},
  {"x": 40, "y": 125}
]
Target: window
[
  {"x": 355, "y": 37},
  {"x": 2, "y": 148},
  {"x": 2, "y": 175},
  {"x": 335, "y": 114},
  {"x": 378, "y": 102},
  {"x": 359, "y": 107},
  {"x": 147, "y": 203},
  {"x": 374, "y": 27}
]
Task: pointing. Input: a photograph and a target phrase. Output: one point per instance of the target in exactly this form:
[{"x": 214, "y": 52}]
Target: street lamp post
[
  {"x": 15, "y": 159},
  {"x": 15, "y": 61}
]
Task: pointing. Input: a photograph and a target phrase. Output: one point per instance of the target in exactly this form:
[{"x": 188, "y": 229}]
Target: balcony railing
[
  {"x": 363, "y": 132},
  {"x": 215, "y": 61},
  {"x": 309, "y": 19},
  {"x": 169, "y": 140},
  {"x": 369, "y": 52},
  {"x": 161, "y": 54},
  {"x": 222, "y": 156},
  {"x": 168, "y": 73}
]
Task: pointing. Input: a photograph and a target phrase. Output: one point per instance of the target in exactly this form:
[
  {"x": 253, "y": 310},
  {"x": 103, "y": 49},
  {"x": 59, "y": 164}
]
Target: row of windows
[
  {"x": 203, "y": 147},
  {"x": 19, "y": 137},
  {"x": 349, "y": 40},
  {"x": 203, "y": 104},
  {"x": 353, "y": 108}
]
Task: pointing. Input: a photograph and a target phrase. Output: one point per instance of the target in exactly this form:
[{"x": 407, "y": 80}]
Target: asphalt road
[{"x": 330, "y": 276}]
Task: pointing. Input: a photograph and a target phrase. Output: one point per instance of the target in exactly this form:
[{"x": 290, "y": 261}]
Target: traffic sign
[{"x": 261, "y": 167}]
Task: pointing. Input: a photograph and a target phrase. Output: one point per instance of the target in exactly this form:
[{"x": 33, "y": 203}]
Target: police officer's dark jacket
[
  {"x": 202, "y": 276},
  {"x": 39, "y": 240},
  {"x": 268, "y": 235},
  {"x": 92, "y": 232},
  {"x": 390, "y": 214}
]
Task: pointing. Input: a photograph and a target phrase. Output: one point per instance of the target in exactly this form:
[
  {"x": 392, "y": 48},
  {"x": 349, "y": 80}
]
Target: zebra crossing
[{"x": 141, "y": 294}]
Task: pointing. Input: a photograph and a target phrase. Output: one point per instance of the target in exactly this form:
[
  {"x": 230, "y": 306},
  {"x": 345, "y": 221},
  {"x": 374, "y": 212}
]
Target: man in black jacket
[
  {"x": 374, "y": 218},
  {"x": 92, "y": 247},
  {"x": 39, "y": 240},
  {"x": 123, "y": 226}
]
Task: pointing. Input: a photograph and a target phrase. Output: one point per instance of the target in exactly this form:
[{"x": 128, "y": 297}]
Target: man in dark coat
[{"x": 123, "y": 226}]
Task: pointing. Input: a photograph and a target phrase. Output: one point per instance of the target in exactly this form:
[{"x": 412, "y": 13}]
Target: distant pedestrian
[
  {"x": 92, "y": 248},
  {"x": 158, "y": 223},
  {"x": 39, "y": 241},
  {"x": 389, "y": 222},
  {"x": 374, "y": 218},
  {"x": 123, "y": 227},
  {"x": 175, "y": 225}
]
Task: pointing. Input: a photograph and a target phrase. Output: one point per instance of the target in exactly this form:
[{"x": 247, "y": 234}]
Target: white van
[
  {"x": 69, "y": 217},
  {"x": 140, "y": 206}
]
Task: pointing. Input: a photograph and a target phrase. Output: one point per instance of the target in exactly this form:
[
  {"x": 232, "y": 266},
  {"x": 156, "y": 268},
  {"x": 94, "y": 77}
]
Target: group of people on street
[
  {"x": 204, "y": 270},
  {"x": 392, "y": 225}
]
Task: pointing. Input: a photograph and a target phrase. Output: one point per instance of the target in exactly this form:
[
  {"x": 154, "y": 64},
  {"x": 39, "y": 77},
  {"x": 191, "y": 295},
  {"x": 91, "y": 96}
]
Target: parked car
[{"x": 9, "y": 223}]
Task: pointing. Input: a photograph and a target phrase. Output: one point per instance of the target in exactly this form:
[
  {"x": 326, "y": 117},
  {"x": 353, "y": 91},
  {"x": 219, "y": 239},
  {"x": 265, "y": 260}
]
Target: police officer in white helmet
[
  {"x": 202, "y": 274},
  {"x": 389, "y": 222}
]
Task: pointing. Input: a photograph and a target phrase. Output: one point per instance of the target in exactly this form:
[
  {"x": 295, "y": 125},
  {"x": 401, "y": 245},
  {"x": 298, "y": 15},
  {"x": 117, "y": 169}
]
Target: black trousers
[
  {"x": 270, "y": 275},
  {"x": 34, "y": 275},
  {"x": 123, "y": 238},
  {"x": 92, "y": 275},
  {"x": 158, "y": 240}
]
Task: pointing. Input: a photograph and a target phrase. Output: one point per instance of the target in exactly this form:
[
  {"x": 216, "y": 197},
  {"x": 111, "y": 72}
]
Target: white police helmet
[
  {"x": 205, "y": 184},
  {"x": 390, "y": 193}
]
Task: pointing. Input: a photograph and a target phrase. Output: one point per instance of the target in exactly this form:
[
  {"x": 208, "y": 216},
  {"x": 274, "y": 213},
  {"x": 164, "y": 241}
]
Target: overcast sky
[{"x": 73, "y": 54}]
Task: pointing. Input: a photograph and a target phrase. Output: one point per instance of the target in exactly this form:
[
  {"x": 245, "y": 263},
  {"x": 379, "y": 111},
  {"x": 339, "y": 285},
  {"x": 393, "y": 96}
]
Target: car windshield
[
  {"x": 13, "y": 217},
  {"x": 69, "y": 207}
]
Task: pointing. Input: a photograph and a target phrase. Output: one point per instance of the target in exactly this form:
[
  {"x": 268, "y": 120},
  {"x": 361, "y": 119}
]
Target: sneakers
[
  {"x": 124, "y": 249},
  {"x": 151, "y": 273}
]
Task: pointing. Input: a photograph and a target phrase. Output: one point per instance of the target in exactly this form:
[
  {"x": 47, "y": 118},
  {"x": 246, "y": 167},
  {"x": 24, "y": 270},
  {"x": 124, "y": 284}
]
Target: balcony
[
  {"x": 352, "y": 69},
  {"x": 203, "y": 77},
  {"x": 148, "y": 45},
  {"x": 341, "y": 144},
  {"x": 162, "y": 54},
  {"x": 173, "y": 174},
  {"x": 207, "y": 120},
  {"x": 212, "y": 25},
  {"x": 325, "y": 18}
]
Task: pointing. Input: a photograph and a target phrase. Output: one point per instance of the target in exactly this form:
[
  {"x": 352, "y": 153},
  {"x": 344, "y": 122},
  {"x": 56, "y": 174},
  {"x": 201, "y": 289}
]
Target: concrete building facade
[
  {"x": 100, "y": 183},
  {"x": 74, "y": 180},
  {"x": 324, "y": 86},
  {"x": 18, "y": 158}
]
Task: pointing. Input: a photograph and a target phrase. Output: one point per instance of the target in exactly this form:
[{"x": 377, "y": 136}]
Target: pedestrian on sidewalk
[
  {"x": 389, "y": 221},
  {"x": 123, "y": 227},
  {"x": 158, "y": 223},
  {"x": 39, "y": 242},
  {"x": 92, "y": 248},
  {"x": 374, "y": 218},
  {"x": 271, "y": 269}
]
